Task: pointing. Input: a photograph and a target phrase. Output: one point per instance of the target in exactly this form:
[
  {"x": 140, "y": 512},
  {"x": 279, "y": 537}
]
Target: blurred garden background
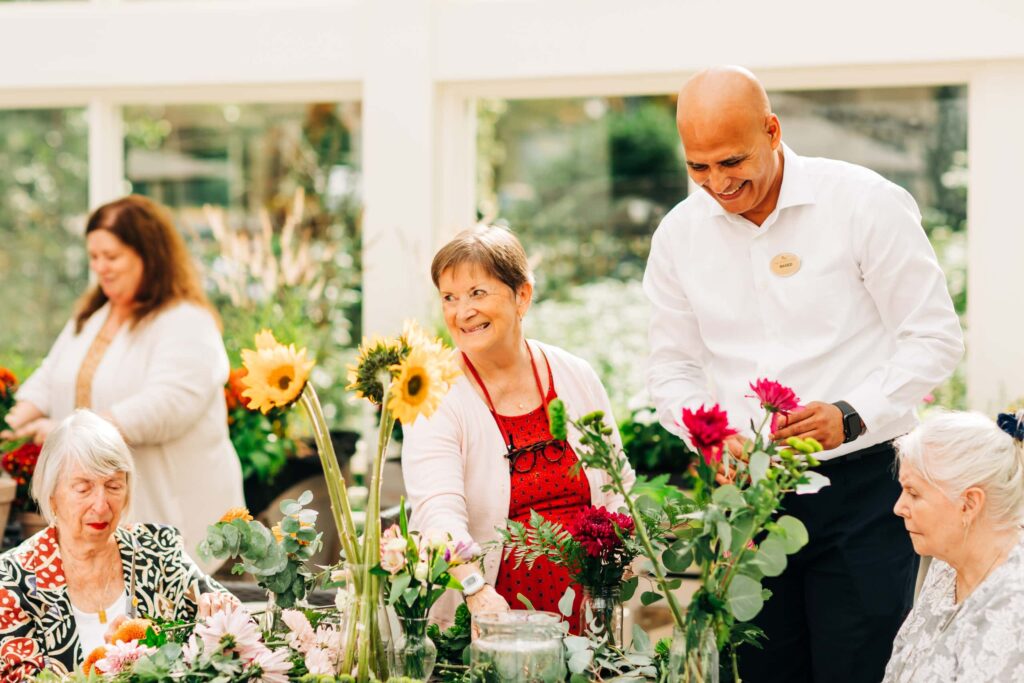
[{"x": 316, "y": 153}]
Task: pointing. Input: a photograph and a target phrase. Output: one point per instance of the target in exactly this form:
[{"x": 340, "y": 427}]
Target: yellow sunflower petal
[
  {"x": 276, "y": 376},
  {"x": 265, "y": 339},
  {"x": 418, "y": 390},
  {"x": 236, "y": 513}
]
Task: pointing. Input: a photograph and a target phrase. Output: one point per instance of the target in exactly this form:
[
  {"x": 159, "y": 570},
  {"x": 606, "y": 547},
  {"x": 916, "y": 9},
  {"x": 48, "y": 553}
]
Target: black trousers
[{"x": 835, "y": 611}]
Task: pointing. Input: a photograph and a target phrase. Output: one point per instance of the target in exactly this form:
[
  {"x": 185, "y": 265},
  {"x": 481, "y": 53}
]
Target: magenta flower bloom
[
  {"x": 594, "y": 529},
  {"x": 708, "y": 428},
  {"x": 774, "y": 397}
]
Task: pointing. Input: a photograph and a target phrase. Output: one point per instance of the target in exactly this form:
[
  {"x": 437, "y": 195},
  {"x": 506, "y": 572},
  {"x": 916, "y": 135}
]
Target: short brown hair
[
  {"x": 493, "y": 248},
  {"x": 168, "y": 275}
]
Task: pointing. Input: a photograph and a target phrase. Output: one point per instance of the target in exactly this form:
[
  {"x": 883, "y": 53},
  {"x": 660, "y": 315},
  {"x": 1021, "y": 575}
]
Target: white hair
[
  {"x": 84, "y": 439},
  {"x": 958, "y": 450}
]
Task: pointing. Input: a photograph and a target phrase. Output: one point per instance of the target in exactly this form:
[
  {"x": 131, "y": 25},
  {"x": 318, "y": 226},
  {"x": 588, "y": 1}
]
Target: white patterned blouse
[{"x": 981, "y": 639}]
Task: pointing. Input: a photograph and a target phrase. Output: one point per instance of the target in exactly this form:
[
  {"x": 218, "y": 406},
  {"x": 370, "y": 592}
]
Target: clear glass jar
[
  {"x": 601, "y": 612},
  {"x": 517, "y": 646},
  {"x": 412, "y": 653},
  {"x": 697, "y": 664}
]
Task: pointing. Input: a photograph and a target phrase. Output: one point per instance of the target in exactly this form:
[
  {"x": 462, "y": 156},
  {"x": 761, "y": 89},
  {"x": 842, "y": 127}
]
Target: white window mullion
[{"x": 106, "y": 152}]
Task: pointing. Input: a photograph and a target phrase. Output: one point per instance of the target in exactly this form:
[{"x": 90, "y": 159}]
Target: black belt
[{"x": 884, "y": 448}]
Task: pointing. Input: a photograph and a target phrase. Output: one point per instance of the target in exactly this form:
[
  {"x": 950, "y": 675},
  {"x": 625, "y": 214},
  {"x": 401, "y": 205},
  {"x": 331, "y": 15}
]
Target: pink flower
[
  {"x": 120, "y": 656},
  {"x": 301, "y": 636},
  {"x": 461, "y": 552},
  {"x": 929, "y": 398},
  {"x": 393, "y": 548},
  {"x": 271, "y": 666},
  {"x": 708, "y": 428},
  {"x": 774, "y": 397},
  {"x": 318, "y": 661},
  {"x": 594, "y": 528},
  {"x": 230, "y": 631}
]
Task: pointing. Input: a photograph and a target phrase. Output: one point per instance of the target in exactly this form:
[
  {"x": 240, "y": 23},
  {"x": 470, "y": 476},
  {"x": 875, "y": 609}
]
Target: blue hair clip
[{"x": 1012, "y": 425}]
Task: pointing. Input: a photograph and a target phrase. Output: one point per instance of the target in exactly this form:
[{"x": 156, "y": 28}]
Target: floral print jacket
[{"x": 37, "y": 627}]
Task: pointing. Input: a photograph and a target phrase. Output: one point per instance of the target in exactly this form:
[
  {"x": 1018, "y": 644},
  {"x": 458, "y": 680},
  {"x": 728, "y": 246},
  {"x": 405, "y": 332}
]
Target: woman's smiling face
[{"x": 482, "y": 312}]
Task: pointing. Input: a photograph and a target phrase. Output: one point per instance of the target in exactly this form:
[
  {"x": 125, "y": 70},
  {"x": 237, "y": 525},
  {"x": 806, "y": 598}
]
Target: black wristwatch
[{"x": 853, "y": 426}]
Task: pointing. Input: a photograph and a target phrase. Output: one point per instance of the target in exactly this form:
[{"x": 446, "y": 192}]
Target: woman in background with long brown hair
[{"x": 144, "y": 350}]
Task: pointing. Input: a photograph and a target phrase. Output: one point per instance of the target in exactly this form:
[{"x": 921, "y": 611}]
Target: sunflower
[
  {"x": 419, "y": 387},
  {"x": 236, "y": 513},
  {"x": 373, "y": 367},
  {"x": 276, "y": 374}
]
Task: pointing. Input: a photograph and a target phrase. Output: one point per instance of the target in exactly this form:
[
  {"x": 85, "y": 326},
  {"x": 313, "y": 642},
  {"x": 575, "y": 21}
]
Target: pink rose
[{"x": 393, "y": 547}]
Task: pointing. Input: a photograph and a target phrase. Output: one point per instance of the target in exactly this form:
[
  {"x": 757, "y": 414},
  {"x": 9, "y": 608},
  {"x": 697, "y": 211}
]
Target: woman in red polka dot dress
[{"x": 487, "y": 455}]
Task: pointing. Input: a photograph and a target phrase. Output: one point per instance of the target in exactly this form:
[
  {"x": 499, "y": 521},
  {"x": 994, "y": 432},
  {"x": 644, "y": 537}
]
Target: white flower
[
  {"x": 120, "y": 656},
  {"x": 300, "y": 636},
  {"x": 318, "y": 662},
  {"x": 421, "y": 571},
  {"x": 272, "y": 666},
  {"x": 230, "y": 631}
]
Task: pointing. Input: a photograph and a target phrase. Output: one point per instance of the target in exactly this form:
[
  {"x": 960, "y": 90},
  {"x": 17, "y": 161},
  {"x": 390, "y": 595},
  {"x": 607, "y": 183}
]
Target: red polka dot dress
[{"x": 540, "y": 481}]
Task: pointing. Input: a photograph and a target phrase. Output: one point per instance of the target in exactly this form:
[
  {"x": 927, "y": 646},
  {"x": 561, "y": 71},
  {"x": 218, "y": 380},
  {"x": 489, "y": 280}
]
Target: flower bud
[
  {"x": 556, "y": 419},
  {"x": 421, "y": 570}
]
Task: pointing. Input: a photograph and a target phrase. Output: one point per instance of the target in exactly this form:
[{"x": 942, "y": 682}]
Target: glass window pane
[
  {"x": 44, "y": 196},
  {"x": 268, "y": 197},
  {"x": 584, "y": 183}
]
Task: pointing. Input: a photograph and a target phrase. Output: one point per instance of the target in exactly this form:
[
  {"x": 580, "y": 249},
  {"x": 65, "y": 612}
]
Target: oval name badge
[{"x": 785, "y": 264}]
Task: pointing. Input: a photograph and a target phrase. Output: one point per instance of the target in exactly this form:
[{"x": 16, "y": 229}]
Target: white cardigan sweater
[
  {"x": 455, "y": 471},
  {"x": 163, "y": 382}
]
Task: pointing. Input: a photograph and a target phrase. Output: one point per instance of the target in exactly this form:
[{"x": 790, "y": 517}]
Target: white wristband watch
[{"x": 472, "y": 584}]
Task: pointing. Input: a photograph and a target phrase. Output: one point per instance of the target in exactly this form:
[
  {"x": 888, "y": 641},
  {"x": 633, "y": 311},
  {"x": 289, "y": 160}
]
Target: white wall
[{"x": 418, "y": 65}]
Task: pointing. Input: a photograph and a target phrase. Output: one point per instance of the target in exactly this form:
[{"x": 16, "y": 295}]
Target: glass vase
[
  {"x": 270, "y": 619},
  {"x": 518, "y": 646},
  {"x": 601, "y": 612},
  {"x": 411, "y": 653},
  {"x": 698, "y": 664}
]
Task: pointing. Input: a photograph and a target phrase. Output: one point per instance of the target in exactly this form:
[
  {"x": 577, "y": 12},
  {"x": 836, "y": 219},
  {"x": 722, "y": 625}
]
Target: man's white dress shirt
[{"x": 867, "y": 317}]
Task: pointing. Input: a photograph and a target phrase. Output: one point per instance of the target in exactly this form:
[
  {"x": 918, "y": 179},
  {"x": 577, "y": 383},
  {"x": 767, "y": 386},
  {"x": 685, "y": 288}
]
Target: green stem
[
  {"x": 336, "y": 489},
  {"x": 371, "y": 543},
  {"x": 641, "y": 533}
]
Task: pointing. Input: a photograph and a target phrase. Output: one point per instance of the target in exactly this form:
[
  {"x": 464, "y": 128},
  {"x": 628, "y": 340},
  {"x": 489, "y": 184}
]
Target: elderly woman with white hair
[
  {"x": 62, "y": 589},
  {"x": 963, "y": 504}
]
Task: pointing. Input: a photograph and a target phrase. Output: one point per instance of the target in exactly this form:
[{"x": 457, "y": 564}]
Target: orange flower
[
  {"x": 276, "y": 530},
  {"x": 94, "y": 656},
  {"x": 7, "y": 381},
  {"x": 234, "y": 388},
  {"x": 130, "y": 630},
  {"x": 236, "y": 513}
]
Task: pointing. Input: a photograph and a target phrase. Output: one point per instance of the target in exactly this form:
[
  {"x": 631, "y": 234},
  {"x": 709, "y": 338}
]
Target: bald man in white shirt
[{"x": 815, "y": 273}]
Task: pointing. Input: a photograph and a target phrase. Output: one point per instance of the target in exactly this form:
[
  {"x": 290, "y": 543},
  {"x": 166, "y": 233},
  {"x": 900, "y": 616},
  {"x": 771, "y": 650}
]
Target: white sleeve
[
  {"x": 903, "y": 277},
  {"x": 187, "y": 369},
  {"x": 433, "y": 467},
  {"x": 676, "y": 376},
  {"x": 37, "y": 387}
]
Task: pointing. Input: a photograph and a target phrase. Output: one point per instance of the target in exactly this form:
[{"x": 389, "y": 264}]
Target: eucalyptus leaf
[
  {"x": 566, "y": 601},
  {"x": 796, "y": 533},
  {"x": 759, "y": 464},
  {"x": 641, "y": 641},
  {"x": 744, "y": 597},
  {"x": 629, "y": 588},
  {"x": 677, "y": 557},
  {"x": 770, "y": 557},
  {"x": 724, "y": 534},
  {"x": 728, "y": 496},
  {"x": 580, "y": 661},
  {"x": 306, "y": 497},
  {"x": 650, "y": 597}
]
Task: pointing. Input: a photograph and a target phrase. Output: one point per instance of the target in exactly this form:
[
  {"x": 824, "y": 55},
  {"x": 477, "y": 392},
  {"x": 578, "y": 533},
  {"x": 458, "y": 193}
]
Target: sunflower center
[
  {"x": 414, "y": 385},
  {"x": 281, "y": 378}
]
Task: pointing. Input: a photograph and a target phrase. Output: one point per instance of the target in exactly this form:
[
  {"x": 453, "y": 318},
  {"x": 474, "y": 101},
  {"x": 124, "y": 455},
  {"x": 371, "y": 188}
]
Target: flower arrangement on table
[
  {"x": 407, "y": 377},
  {"x": 18, "y": 457},
  {"x": 415, "y": 568},
  {"x": 596, "y": 549},
  {"x": 731, "y": 531}
]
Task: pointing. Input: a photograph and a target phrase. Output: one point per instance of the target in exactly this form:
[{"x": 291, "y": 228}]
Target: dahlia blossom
[
  {"x": 301, "y": 636},
  {"x": 121, "y": 655},
  {"x": 271, "y": 666},
  {"x": 708, "y": 429},
  {"x": 774, "y": 397},
  {"x": 594, "y": 528}
]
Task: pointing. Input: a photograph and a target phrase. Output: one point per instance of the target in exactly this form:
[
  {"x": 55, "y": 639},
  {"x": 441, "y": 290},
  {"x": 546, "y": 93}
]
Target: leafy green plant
[
  {"x": 650, "y": 447},
  {"x": 716, "y": 527},
  {"x": 276, "y": 558},
  {"x": 452, "y": 644}
]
